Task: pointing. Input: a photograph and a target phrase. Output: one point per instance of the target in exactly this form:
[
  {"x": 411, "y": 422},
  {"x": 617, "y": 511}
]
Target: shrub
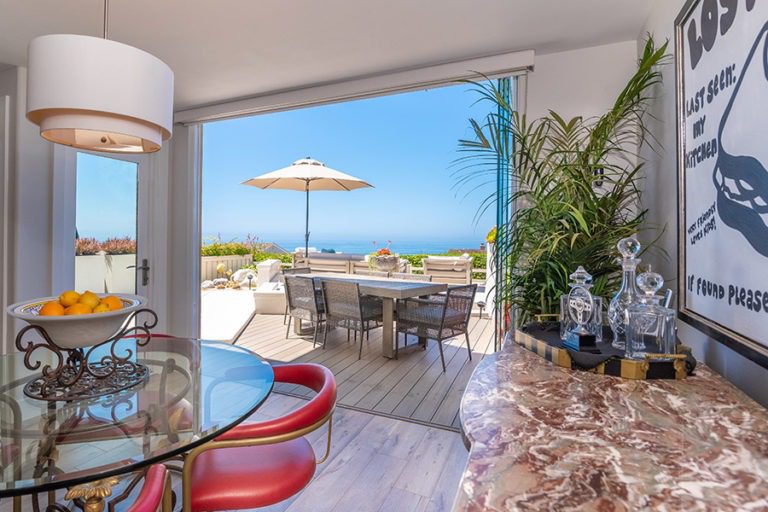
[
  {"x": 261, "y": 256},
  {"x": 87, "y": 246},
  {"x": 124, "y": 245}
]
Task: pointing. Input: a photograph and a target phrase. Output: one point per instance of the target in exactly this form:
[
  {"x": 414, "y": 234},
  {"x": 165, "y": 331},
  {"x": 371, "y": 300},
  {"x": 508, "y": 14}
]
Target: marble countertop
[{"x": 549, "y": 438}]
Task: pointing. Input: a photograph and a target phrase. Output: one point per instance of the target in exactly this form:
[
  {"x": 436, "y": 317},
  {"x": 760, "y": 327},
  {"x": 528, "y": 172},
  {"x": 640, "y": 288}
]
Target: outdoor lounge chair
[
  {"x": 346, "y": 307},
  {"x": 304, "y": 303},
  {"x": 449, "y": 269},
  {"x": 438, "y": 317}
]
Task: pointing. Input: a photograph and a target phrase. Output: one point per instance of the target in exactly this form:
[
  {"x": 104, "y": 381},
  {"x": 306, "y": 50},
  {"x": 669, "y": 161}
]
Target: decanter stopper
[
  {"x": 629, "y": 248},
  {"x": 581, "y": 278},
  {"x": 650, "y": 282}
]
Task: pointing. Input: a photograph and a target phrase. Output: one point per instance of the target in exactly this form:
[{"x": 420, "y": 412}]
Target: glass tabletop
[{"x": 196, "y": 390}]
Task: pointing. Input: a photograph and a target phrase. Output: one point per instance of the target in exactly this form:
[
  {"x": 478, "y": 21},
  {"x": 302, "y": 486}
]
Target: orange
[
  {"x": 68, "y": 298},
  {"x": 78, "y": 309},
  {"x": 101, "y": 308},
  {"x": 113, "y": 302},
  {"x": 52, "y": 308},
  {"x": 90, "y": 299}
]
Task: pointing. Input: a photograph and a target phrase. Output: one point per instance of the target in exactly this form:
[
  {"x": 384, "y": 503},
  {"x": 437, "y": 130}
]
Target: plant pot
[{"x": 385, "y": 263}]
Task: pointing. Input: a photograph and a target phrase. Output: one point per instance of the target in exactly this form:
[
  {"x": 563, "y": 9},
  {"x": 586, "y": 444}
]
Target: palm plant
[{"x": 576, "y": 189}]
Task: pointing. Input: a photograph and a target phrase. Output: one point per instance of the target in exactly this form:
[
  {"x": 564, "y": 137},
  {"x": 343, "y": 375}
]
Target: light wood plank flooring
[
  {"x": 413, "y": 387},
  {"x": 377, "y": 464}
]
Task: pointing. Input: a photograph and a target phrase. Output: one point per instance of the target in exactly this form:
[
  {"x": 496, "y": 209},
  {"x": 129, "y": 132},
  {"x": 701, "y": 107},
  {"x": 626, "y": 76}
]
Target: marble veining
[{"x": 549, "y": 438}]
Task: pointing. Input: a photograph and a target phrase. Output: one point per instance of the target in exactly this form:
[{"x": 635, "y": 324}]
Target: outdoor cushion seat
[{"x": 225, "y": 478}]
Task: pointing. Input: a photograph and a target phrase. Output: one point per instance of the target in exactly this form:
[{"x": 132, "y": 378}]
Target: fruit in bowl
[{"x": 73, "y": 320}]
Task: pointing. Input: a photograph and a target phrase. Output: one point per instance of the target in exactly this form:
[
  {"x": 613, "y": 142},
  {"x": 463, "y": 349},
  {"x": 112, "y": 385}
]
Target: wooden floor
[
  {"x": 412, "y": 387},
  {"x": 377, "y": 464}
]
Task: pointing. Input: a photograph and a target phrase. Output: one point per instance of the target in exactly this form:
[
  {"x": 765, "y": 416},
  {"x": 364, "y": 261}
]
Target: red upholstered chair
[
  {"x": 259, "y": 464},
  {"x": 156, "y": 492}
]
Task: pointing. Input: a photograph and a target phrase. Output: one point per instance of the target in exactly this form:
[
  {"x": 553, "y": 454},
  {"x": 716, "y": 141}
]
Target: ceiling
[{"x": 226, "y": 49}]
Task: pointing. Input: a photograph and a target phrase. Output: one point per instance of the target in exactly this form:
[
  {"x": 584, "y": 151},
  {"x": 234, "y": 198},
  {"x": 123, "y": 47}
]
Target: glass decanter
[
  {"x": 595, "y": 326},
  {"x": 629, "y": 248},
  {"x": 652, "y": 327}
]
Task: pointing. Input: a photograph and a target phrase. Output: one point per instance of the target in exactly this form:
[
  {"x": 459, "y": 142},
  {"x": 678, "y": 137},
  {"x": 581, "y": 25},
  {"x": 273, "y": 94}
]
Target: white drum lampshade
[{"x": 97, "y": 94}]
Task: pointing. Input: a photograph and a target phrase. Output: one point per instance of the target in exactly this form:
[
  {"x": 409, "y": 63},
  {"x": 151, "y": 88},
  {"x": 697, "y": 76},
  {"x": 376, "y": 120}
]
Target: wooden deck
[{"x": 412, "y": 387}]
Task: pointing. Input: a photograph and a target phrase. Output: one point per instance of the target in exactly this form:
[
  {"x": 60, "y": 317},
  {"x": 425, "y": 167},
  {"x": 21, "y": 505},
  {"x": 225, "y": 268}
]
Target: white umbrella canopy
[{"x": 307, "y": 175}]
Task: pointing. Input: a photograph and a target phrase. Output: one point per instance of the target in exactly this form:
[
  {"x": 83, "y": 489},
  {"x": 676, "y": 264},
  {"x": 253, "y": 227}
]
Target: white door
[{"x": 102, "y": 228}]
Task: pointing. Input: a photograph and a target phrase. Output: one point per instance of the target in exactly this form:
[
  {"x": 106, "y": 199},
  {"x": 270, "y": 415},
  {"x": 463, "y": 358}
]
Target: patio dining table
[{"x": 388, "y": 290}]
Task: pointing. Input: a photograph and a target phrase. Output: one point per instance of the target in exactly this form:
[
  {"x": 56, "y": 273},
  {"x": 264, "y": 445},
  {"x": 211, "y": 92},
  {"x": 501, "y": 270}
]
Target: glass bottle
[
  {"x": 651, "y": 326},
  {"x": 595, "y": 326},
  {"x": 629, "y": 248}
]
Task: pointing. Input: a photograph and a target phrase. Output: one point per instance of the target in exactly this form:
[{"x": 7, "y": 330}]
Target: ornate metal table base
[
  {"x": 80, "y": 374},
  {"x": 92, "y": 494}
]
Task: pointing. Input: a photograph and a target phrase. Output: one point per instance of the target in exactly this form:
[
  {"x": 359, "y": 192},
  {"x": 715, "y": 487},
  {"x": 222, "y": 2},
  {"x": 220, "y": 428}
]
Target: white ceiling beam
[{"x": 374, "y": 85}]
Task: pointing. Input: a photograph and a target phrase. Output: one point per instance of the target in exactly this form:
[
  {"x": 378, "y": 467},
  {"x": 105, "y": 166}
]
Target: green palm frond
[{"x": 561, "y": 218}]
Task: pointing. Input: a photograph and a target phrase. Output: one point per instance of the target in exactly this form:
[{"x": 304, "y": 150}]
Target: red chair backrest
[
  {"x": 151, "y": 495},
  {"x": 314, "y": 376}
]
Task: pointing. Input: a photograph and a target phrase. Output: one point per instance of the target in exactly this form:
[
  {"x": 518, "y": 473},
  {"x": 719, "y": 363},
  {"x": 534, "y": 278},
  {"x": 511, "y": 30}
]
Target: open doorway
[{"x": 405, "y": 145}]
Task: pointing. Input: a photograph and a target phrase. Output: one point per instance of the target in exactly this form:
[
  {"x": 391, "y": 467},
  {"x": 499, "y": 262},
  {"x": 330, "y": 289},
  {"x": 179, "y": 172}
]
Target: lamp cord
[{"x": 106, "y": 17}]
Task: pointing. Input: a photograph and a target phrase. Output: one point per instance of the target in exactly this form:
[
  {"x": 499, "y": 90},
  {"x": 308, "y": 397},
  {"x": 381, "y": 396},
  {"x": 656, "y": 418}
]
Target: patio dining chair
[
  {"x": 411, "y": 277},
  {"x": 347, "y": 308},
  {"x": 372, "y": 273},
  {"x": 438, "y": 317},
  {"x": 291, "y": 271},
  {"x": 304, "y": 303}
]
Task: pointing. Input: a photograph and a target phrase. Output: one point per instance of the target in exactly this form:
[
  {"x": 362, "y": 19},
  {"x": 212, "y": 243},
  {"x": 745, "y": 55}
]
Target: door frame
[{"x": 151, "y": 220}]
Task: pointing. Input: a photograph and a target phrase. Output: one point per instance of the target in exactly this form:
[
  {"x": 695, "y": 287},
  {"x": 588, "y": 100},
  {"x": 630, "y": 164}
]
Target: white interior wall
[
  {"x": 580, "y": 82},
  {"x": 661, "y": 199},
  {"x": 30, "y": 179}
]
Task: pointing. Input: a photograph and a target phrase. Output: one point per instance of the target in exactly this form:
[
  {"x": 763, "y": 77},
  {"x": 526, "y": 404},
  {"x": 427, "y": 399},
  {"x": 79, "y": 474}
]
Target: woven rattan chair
[
  {"x": 372, "y": 273},
  {"x": 437, "y": 317},
  {"x": 304, "y": 303},
  {"x": 346, "y": 307},
  {"x": 411, "y": 277},
  {"x": 290, "y": 271}
]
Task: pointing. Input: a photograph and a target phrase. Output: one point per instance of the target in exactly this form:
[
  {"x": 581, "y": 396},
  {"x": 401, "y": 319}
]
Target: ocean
[{"x": 358, "y": 246}]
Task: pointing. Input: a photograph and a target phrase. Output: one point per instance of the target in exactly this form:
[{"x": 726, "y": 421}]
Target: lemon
[
  {"x": 69, "y": 298},
  {"x": 101, "y": 308},
  {"x": 78, "y": 309},
  {"x": 113, "y": 302},
  {"x": 52, "y": 308},
  {"x": 90, "y": 299}
]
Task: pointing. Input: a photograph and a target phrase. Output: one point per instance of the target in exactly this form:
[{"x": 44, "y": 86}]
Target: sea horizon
[{"x": 358, "y": 245}]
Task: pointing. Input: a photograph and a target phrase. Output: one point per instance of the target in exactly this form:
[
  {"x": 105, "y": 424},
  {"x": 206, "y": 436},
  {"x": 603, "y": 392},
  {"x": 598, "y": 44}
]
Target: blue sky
[
  {"x": 106, "y": 197},
  {"x": 402, "y": 144}
]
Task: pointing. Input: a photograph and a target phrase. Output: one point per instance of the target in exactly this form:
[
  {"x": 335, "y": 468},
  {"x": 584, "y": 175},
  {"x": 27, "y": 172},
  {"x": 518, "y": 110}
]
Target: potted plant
[
  {"x": 577, "y": 190},
  {"x": 383, "y": 259}
]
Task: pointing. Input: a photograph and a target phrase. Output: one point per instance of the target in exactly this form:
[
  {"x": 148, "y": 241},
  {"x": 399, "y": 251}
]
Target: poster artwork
[{"x": 723, "y": 86}]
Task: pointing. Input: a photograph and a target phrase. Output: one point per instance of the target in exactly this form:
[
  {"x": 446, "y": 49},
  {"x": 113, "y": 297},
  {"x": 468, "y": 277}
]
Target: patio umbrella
[{"x": 307, "y": 175}]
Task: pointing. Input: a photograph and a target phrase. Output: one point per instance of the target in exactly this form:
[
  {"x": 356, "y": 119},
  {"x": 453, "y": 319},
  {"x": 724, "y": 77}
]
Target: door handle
[{"x": 144, "y": 271}]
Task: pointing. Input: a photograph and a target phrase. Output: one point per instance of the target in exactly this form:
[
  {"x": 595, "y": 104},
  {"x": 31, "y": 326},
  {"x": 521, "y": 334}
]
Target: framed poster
[{"x": 722, "y": 110}]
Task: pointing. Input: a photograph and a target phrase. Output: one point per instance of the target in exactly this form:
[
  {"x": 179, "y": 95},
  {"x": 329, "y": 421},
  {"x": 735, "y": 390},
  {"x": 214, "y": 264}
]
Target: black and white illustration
[{"x": 722, "y": 73}]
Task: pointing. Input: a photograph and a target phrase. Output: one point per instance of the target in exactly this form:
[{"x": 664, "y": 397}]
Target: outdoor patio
[{"x": 413, "y": 387}]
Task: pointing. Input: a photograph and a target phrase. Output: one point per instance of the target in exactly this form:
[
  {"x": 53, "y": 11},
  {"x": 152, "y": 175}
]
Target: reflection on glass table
[{"x": 196, "y": 391}]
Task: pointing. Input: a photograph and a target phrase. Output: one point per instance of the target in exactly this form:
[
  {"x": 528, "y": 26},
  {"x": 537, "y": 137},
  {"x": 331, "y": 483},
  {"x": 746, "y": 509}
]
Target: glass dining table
[{"x": 196, "y": 390}]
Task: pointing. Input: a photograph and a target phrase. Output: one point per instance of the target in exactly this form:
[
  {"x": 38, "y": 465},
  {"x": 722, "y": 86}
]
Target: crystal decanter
[
  {"x": 595, "y": 326},
  {"x": 629, "y": 248},
  {"x": 651, "y": 327}
]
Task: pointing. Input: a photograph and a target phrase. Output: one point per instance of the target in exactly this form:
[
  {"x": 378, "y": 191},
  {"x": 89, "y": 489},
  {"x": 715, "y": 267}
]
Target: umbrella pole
[{"x": 306, "y": 227}]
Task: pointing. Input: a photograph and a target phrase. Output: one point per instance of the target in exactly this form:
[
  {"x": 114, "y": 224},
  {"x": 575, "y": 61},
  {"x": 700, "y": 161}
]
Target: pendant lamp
[{"x": 100, "y": 95}]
